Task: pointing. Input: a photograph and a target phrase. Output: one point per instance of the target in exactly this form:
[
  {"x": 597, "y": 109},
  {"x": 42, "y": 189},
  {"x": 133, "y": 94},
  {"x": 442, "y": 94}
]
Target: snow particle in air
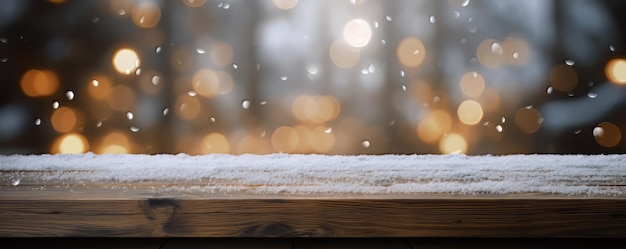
[
  {"x": 245, "y": 104},
  {"x": 432, "y": 19},
  {"x": 283, "y": 77},
  {"x": 156, "y": 79},
  {"x": 365, "y": 144},
  {"x": 69, "y": 95},
  {"x": 37, "y": 121},
  {"x": 569, "y": 62},
  {"x": 592, "y": 95},
  {"x": 55, "y": 105},
  {"x": 129, "y": 115},
  {"x": 165, "y": 111}
]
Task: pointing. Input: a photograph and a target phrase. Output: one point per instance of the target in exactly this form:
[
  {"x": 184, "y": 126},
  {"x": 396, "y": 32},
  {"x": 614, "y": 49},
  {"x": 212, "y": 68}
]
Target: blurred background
[{"x": 312, "y": 76}]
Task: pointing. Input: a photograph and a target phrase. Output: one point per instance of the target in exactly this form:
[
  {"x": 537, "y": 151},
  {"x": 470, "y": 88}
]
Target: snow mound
[{"x": 334, "y": 174}]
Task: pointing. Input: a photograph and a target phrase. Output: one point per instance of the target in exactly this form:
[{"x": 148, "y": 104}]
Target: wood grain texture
[
  {"x": 56, "y": 207},
  {"x": 229, "y": 243},
  {"x": 377, "y": 243},
  {"x": 82, "y": 243},
  {"x": 313, "y": 217}
]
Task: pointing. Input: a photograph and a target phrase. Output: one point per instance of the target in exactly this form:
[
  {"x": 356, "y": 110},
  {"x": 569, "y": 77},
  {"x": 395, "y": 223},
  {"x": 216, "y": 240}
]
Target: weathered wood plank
[
  {"x": 229, "y": 243},
  {"x": 379, "y": 243},
  {"x": 525, "y": 243},
  {"x": 313, "y": 217},
  {"x": 82, "y": 243}
]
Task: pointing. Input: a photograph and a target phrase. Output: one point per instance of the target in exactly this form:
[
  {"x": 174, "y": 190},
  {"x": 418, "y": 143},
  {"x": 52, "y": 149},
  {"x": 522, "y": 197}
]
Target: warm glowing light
[
  {"x": 285, "y": 139},
  {"x": 146, "y": 14},
  {"x": 214, "y": 143},
  {"x": 304, "y": 139},
  {"x": 253, "y": 144},
  {"x": 321, "y": 140},
  {"x": 194, "y": 3},
  {"x": 453, "y": 144},
  {"x": 563, "y": 78},
  {"x": 316, "y": 109},
  {"x": 285, "y": 4},
  {"x": 222, "y": 54},
  {"x": 433, "y": 126},
  {"x": 470, "y": 112},
  {"x": 472, "y": 84},
  {"x": 411, "y": 52},
  {"x": 39, "y": 83},
  {"x": 63, "y": 119},
  {"x": 607, "y": 134},
  {"x": 528, "y": 120},
  {"x": 120, "y": 7},
  {"x": 516, "y": 51},
  {"x": 226, "y": 82},
  {"x": 357, "y": 33},
  {"x": 122, "y": 98},
  {"x": 205, "y": 82},
  {"x": 187, "y": 107},
  {"x": 616, "y": 71},
  {"x": 99, "y": 87},
  {"x": 115, "y": 142},
  {"x": 343, "y": 55},
  {"x": 71, "y": 143},
  {"x": 490, "y": 53},
  {"x": 126, "y": 61},
  {"x": 114, "y": 149}
]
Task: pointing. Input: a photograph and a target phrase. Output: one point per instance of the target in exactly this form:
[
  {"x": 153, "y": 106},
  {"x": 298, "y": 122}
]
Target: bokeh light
[
  {"x": 126, "y": 61},
  {"x": 64, "y": 119},
  {"x": 616, "y": 71},
  {"x": 285, "y": 139},
  {"x": 70, "y": 143},
  {"x": 453, "y": 144},
  {"x": 100, "y": 87},
  {"x": 316, "y": 109},
  {"x": 563, "y": 78},
  {"x": 146, "y": 14},
  {"x": 39, "y": 83},
  {"x": 205, "y": 82},
  {"x": 222, "y": 54},
  {"x": 344, "y": 55},
  {"x": 357, "y": 33},
  {"x": 214, "y": 143},
  {"x": 194, "y": 3},
  {"x": 411, "y": 52},
  {"x": 433, "y": 126},
  {"x": 470, "y": 112},
  {"x": 528, "y": 119},
  {"x": 490, "y": 53},
  {"x": 472, "y": 84},
  {"x": 285, "y": 4},
  {"x": 607, "y": 134},
  {"x": 115, "y": 142}
]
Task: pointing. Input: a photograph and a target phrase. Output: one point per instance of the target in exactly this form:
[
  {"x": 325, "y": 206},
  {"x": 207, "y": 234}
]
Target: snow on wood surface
[{"x": 333, "y": 174}]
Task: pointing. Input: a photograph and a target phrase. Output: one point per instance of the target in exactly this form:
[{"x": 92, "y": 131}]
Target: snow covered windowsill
[
  {"x": 283, "y": 195},
  {"x": 580, "y": 175}
]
